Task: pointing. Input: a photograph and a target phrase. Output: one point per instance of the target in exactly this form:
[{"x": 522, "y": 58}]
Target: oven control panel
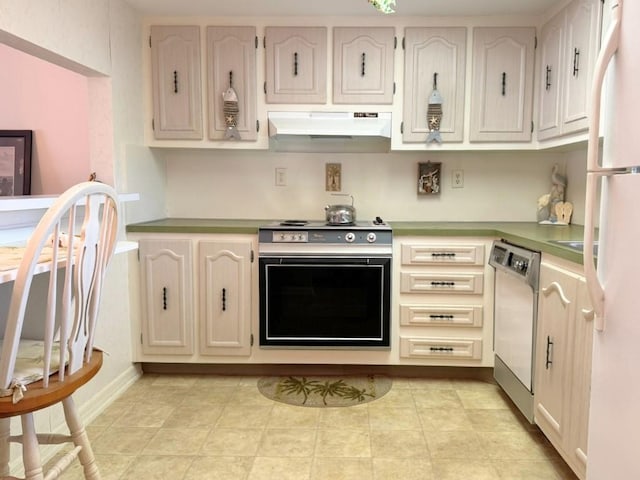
[{"x": 290, "y": 237}]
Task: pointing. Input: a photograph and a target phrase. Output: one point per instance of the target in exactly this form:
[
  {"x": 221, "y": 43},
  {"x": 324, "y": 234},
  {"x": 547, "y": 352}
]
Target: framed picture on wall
[
  {"x": 15, "y": 162},
  {"x": 429, "y": 178}
]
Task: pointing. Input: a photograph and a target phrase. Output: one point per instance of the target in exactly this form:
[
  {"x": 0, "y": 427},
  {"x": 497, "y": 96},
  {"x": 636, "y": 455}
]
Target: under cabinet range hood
[{"x": 333, "y": 132}]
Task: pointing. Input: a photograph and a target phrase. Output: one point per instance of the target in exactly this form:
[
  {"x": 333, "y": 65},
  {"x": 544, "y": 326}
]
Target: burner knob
[
  {"x": 371, "y": 237},
  {"x": 350, "y": 237}
]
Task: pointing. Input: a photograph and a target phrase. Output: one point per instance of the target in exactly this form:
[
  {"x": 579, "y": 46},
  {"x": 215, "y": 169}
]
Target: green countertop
[{"x": 526, "y": 234}]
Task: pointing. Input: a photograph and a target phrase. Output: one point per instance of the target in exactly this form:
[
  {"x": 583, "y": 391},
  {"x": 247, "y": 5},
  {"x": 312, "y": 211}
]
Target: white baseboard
[{"x": 88, "y": 411}]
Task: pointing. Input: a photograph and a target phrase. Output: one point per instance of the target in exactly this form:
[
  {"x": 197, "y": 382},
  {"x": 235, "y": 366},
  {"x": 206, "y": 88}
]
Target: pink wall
[{"x": 53, "y": 102}]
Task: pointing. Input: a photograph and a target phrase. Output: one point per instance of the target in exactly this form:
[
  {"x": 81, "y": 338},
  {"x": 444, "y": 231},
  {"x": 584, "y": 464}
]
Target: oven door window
[{"x": 325, "y": 302}]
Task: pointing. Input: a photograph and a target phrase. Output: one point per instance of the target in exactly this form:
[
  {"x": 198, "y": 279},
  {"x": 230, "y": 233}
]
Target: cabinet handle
[
  {"x": 295, "y": 64},
  {"x": 441, "y": 316},
  {"x": 504, "y": 83},
  {"x": 441, "y": 349},
  {"x": 443, "y": 254},
  {"x": 549, "y": 352},
  {"x": 224, "y": 299},
  {"x": 435, "y": 80},
  {"x": 443, "y": 284},
  {"x": 164, "y": 298},
  {"x": 363, "y": 62},
  {"x": 175, "y": 81},
  {"x": 230, "y": 78},
  {"x": 576, "y": 62},
  {"x": 548, "y": 78}
]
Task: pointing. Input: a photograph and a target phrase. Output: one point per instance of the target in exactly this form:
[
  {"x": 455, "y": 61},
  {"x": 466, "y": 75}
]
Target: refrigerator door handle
[
  {"x": 595, "y": 171},
  {"x": 607, "y": 50}
]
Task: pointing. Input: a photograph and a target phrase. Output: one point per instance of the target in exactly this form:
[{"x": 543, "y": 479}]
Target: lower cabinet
[
  {"x": 445, "y": 289},
  {"x": 196, "y": 296},
  {"x": 563, "y": 361}
]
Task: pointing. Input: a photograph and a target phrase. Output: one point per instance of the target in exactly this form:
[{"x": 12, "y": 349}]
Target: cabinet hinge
[
  {"x": 257, "y": 125},
  {"x": 252, "y": 256},
  {"x": 403, "y": 47},
  {"x": 256, "y": 41},
  {"x": 395, "y": 42},
  {"x": 251, "y": 342},
  {"x": 401, "y": 127}
]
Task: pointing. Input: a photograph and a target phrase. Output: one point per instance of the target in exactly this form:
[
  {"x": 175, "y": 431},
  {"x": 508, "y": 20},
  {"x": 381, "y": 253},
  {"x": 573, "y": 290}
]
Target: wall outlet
[
  {"x": 457, "y": 179},
  {"x": 281, "y": 176}
]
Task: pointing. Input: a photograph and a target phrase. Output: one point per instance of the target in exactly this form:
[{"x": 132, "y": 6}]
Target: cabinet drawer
[
  {"x": 452, "y": 283},
  {"x": 425, "y": 347},
  {"x": 426, "y": 315},
  {"x": 416, "y": 254}
]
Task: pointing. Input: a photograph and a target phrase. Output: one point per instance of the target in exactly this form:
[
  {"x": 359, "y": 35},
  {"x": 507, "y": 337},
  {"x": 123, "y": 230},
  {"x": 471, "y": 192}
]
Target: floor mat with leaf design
[{"x": 324, "y": 391}]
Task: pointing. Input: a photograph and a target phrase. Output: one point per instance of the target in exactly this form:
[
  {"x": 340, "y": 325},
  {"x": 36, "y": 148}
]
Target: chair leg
[
  {"x": 80, "y": 438},
  {"x": 5, "y": 431},
  {"x": 30, "y": 449}
]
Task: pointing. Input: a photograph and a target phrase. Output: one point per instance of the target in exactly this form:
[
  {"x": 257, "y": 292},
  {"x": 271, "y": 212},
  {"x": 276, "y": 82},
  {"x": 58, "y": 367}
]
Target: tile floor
[{"x": 187, "y": 427}]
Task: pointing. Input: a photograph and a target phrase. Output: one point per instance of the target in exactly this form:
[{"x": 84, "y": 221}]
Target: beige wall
[{"x": 498, "y": 186}]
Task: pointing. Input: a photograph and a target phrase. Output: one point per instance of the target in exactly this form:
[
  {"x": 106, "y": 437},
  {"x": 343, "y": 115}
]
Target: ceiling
[{"x": 277, "y": 8}]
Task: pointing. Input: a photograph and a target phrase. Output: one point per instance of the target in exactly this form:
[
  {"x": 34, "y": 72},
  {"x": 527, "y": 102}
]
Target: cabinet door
[
  {"x": 583, "y": 18},
  {"x": 175, "y": 67},
  {"x": 296, "y": 64},
  {"x": 225, "y": 298},
  {"x": 231, "y": 62},
  {"x": 167, "y": 291},
  {"x": 363, "y": 64},
  {"x": 556, "y": 309},
  {"x": 551, "y": 77},
  {"x": 581, "y": 381},
  {"x": 502, "y": 85},
  {"x": 434, "y": 54}
]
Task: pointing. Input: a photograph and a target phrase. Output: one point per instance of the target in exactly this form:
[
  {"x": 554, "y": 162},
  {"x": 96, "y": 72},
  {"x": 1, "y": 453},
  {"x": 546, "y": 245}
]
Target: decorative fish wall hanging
[
  {"x": 434, "y": 113},
  {"x": 230, "y": 111}
]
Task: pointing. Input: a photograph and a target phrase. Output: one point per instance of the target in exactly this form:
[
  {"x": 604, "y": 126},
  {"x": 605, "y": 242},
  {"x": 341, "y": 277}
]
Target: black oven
[{"x": 325, "y": 294}]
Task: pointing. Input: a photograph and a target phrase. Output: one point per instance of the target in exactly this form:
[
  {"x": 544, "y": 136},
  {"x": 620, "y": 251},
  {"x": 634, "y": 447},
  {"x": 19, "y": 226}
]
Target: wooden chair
[{"x": 77, "y": 235}]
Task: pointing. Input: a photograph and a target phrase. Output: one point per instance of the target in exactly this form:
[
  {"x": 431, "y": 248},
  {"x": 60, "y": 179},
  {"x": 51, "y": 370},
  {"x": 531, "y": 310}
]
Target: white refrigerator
[{"x": 614, "y": 423}]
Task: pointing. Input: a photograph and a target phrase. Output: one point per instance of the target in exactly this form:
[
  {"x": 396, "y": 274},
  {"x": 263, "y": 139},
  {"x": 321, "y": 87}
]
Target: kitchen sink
[{"x": 576, "y": 245}]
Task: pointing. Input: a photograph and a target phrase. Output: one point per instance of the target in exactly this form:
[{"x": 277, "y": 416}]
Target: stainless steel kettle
[{"x": 340, "y": 214}]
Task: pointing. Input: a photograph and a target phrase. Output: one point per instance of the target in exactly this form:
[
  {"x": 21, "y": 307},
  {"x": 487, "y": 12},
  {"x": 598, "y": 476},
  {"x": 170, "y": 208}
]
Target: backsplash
[{"x": 498, "y": 186}]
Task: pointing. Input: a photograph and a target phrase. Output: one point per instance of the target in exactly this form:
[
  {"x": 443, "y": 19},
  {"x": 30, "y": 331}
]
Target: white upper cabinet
[
  {"x": 177, "y": 97},
  {"x": 231, "y": 62},
  {"x": 363, "y": 64},
  {"x": 551, "y": 45},
  {"x": 434, "y": 57},
  {"x": 502, "y": 84},
  {"x": 569, "y": 46},
  {"x": 296, "y": 60}
]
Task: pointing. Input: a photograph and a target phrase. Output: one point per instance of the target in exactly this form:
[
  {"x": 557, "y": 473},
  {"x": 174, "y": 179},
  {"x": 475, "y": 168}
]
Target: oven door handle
[{"x": 325, "y": 260}]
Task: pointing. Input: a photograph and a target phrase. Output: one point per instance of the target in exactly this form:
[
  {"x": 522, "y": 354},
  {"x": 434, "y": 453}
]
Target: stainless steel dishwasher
[{"x": 515, "y": 317}]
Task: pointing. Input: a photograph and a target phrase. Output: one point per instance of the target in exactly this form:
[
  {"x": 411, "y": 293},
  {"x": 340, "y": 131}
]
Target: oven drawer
[
  {"x": 450, "y": 283},
  {"x": 454, "y": 348},
  {"x": 446, "y": 254},
  {"x": 440, "y": 315}
]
